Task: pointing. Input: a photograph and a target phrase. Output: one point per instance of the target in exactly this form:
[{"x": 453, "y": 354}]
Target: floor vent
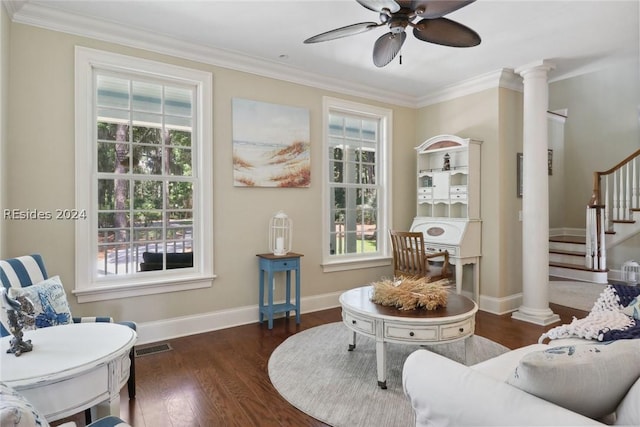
[{"x": 152, "y": 349}]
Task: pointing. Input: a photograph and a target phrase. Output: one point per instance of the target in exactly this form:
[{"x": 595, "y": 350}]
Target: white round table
[
  {"x": 447, "y": 324},
  {"x": 71, "y": 368}
]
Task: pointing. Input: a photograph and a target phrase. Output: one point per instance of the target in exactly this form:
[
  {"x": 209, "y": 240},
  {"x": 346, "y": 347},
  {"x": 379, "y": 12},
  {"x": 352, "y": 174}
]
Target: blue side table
[{"x": 271, "y": 263}]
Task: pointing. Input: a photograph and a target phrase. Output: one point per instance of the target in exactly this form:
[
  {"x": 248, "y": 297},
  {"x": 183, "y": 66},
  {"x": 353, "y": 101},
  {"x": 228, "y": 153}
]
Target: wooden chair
[{"x": 411, "y": 260}]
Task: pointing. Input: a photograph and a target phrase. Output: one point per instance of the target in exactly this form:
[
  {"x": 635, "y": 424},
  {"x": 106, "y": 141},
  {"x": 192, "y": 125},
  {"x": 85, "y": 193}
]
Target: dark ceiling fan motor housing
[{"x": 398, "y": 15}]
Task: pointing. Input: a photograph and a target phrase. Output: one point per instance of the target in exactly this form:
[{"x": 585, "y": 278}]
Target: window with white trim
[
  {"x": 356, "y": 184},
  {"x": 143, "y": 177}
]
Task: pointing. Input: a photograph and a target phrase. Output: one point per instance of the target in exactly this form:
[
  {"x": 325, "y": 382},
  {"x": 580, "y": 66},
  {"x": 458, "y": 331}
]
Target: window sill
[
  {"x": 355, "y": 264},
  {"x": 108, "y": 292}
]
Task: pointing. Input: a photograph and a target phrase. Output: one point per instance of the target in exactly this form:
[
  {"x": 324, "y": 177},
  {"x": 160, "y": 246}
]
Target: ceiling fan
[{"x": 398, "y": 14}]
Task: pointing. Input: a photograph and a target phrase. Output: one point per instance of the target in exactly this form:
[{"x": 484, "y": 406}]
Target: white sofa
[{"x": 446, "y": 393}]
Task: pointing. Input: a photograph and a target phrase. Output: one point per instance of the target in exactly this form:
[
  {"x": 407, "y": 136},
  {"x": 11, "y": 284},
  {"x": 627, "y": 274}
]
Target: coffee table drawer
[
  {"x": 365, "y": 326},
  {"x": 411, "y": 333},
  {"x": 456, "y": 330}
]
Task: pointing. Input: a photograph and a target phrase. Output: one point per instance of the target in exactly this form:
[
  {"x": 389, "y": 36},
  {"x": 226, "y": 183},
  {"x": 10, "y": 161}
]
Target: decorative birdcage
[
  {"x": 280, "y": 233},
  {"x": 631, "y": 272}
]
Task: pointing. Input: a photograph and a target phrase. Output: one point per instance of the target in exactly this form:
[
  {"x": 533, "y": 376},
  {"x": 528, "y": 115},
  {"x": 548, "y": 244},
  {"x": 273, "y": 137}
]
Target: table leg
[
  {"x": 476, "y": 281},
  {"x": 111, "y": 406},
  {"x": 108, "y": 407},
  {"x": 469, "y": 353},
  {"x": 287, "y": 299},
  {"x": 270, "y": 293},
  {"x": 261, "y": 297},
  {"x": 352, "y": 346},
  {"x": 298, "y": 295},
  {"x": 381, "y": 363},
  {"x": 459, "y": 268}
]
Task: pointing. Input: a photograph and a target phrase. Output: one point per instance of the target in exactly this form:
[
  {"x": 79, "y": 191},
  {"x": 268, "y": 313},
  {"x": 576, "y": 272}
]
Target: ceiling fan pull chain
[{"x": 400, "y": 59}]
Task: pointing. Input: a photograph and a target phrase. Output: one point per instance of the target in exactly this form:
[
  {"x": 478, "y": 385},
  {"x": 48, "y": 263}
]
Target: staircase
[
  {"x": 567, "y": 260},
  {"x": 613, "y": 215}
]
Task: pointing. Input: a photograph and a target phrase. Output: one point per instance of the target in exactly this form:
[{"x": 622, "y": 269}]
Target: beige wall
[
  {"x": 4, "y": 114},
  {"x": 557, "y": 183},
  {"x": 41, "y": 172},
  {"x": 493, "y": 116},
  {"x": 41, "y": 176},
  {"x": 602, "y": 128}
]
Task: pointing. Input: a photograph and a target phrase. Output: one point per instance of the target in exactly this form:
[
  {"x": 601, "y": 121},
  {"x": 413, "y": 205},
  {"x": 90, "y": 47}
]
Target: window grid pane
[
  {"x": 353, "y": 143},
  {"x": 145, "y": 171}
]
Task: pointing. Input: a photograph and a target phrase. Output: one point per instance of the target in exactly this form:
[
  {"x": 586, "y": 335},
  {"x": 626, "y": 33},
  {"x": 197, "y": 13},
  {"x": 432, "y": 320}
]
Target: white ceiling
[{"x": 266, "y": 37}]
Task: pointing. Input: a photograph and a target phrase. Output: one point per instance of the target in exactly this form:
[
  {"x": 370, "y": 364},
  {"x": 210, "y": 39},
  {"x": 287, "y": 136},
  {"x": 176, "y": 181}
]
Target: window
[
  {"x": 356, "y": 185},
  {"x": 143, "y": 180}
]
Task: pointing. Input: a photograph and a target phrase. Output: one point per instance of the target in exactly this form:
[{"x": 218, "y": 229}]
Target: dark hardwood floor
[{"x": 220, "y": 378}]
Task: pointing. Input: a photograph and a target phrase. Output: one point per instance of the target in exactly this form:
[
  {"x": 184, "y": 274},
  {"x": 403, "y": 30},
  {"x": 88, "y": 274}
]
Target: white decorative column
[{"x": 535, "y": 198}]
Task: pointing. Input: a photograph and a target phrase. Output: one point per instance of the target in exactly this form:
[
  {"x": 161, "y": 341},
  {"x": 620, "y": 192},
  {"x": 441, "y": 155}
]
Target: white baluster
[
  {"x": 607, "y": 203},
  {"x": 602, "y": 247},
  {"x": 587, "y": 256},
  {"x": 634, "y": 180},
  {"x": 627, "y": 204}
]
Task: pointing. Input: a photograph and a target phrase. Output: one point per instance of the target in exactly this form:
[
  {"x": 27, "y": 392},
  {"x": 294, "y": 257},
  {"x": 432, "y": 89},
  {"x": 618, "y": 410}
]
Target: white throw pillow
[
  {"x": 628, "y": 412},
  {"x": 590, "y": 379},
  {"x": 15, "y": 411},
  {"x": 49, "y": 302}
]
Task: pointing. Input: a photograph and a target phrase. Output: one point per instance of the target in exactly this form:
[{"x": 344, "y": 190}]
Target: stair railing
[{"x": 616, "y": 194}]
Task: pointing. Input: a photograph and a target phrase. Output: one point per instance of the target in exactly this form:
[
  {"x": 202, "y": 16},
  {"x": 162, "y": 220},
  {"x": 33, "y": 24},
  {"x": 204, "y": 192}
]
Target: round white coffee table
[
  {"x": 454, "y": 322},
  {"x": 71, "y": 368}
]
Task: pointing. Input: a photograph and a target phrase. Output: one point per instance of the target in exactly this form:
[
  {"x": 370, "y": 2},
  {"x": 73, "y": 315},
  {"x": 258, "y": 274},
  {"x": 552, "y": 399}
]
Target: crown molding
[
  {"x": 503, "y": 78},
  {"x": 38, "y": 15},
  {"x": 48, "y": 18}
]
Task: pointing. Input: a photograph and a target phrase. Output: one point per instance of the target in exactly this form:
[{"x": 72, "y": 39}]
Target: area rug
[
  {"x": 314, "y": 371},
  {"x": 579, "y": 295}
]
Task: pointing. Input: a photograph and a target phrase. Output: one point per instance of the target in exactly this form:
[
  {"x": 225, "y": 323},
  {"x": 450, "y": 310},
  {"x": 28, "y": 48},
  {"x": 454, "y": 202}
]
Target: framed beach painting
[{"x": 271, "y": 145}]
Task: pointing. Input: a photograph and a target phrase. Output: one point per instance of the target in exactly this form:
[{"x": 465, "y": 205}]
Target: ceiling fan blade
[
  {"x": 445, "y": 32},
  {"x": 349, "y": 30},
  {"x": 387, "y": 47},
  {"x": 438, "y": 8},
  {"x": 378, "y": 5}
]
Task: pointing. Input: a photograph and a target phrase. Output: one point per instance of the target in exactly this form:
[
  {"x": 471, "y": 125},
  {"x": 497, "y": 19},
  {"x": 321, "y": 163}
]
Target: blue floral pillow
[
  {"x": 15, "y": 411},
  {"x": 633, "y": 309},
  {"x": 49, "y": 302}
]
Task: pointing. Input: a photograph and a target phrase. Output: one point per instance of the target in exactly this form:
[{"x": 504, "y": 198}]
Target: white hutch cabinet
[{"x": 448, "y": 201}]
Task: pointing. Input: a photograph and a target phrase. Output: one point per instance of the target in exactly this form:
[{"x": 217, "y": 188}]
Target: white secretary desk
[{"x": 448, "y": 201}]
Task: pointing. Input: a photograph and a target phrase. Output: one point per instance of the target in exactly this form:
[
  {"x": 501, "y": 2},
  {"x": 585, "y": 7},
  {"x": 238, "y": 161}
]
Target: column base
[{"x": 539, "y": 317}]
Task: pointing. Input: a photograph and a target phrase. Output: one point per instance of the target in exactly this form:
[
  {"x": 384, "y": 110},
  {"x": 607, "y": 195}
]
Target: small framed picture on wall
[{"x": 519, "y": 174}]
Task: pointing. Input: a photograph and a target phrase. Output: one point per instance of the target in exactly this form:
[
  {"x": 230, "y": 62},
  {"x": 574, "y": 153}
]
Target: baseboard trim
[
  {"x": 500, "y": 306},
  {"x": 160, "y": 330}
]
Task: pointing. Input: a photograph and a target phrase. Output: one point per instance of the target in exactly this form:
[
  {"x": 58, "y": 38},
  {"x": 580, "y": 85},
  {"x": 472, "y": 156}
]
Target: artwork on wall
[
  {"x": 519, "y": 169},
  {"x": 271, "y": 145},
  {"x": 519, "y": 174}
]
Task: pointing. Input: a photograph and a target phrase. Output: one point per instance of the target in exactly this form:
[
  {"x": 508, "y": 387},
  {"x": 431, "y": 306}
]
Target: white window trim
[
  {"x": 357, "y": 261},
  {"x": 87, "y": 287}
]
